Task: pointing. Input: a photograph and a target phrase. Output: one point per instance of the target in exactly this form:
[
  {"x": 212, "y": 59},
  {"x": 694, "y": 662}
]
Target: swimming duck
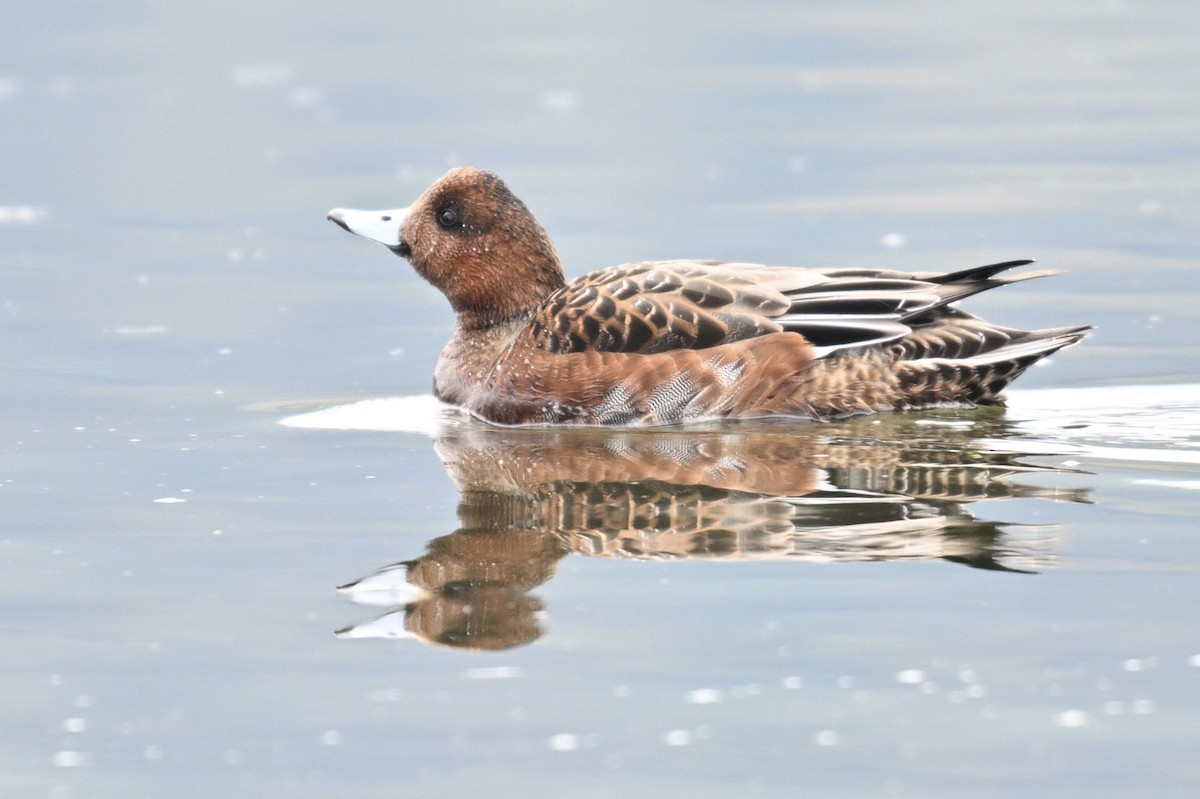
[{"x": 667, "y": 342}]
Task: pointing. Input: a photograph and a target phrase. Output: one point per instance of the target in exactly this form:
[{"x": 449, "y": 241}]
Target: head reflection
[{"x": 896, "y": 488}]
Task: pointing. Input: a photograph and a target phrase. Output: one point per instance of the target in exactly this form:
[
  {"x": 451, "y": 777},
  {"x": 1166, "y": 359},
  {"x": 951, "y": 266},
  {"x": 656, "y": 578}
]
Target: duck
[{"x": 670, "y": 342}]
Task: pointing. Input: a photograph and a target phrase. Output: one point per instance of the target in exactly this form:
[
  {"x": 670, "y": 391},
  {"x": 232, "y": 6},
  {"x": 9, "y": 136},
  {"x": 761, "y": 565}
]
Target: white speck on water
[
  {"x": 331, "y": 738},
  {"x": 140, "y": 330},
  {"x": 892, "y": 241},
  {"x": 493, "y": 673},
  {"x": 826, "y": 738},
  {"x": 1194, "y": 661},
  {"x": 560, "y": 101},
  {"x": 910, "y": 676},
  {"x": 1072, "y": 718},
  {"x": 678, "y": 738},
  {"x": 793, "y": 682},
  {"x": 225, "y": 351},
  {"x": 563, "y": 742},
  {"x": 704, "y": 696},
  {"x": 75, "y": 724},
  {"x": 55, "y": 679},
  {"x": 967, "y": 676},
  {"x": 1133, "y": 664},
  {"x": 68, "y": 758},
  {"x": 20, "y": 214},
  {"x": 976, "y": 691},
  {"x": 1143, "y": 706},
  {"x": 169, "y": 500}
]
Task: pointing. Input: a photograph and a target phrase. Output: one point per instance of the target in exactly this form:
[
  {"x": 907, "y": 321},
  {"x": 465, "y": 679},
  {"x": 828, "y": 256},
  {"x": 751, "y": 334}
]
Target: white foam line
[
  {"x": 1186, "y": 485},
  {"x": 1115, "y": 398},
  {"x": 1143, "y": 454},
  {"x": 422, "y": 414}
]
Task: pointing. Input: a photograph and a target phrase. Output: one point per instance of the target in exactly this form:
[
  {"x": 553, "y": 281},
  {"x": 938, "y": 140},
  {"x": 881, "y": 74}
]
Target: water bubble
[
  {"x": 1071, "y": 718},
  {"x": 704, "y": 696},
  {"x": 678, "y": 738},
  {"x": 68, "y": 758},
  {"x": 563, "y": 742}
]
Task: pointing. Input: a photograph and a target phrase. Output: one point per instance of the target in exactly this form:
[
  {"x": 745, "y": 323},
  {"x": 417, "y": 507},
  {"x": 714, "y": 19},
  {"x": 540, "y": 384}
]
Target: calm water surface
[{"x": 993, "y": 603}]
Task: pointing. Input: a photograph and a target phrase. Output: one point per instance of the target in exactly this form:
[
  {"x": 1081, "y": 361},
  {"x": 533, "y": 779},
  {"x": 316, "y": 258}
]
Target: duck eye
[{"x": 448, "y": 218}]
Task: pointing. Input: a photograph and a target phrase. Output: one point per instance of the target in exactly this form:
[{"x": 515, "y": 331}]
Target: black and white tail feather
[{"x": 937, "y": 350}]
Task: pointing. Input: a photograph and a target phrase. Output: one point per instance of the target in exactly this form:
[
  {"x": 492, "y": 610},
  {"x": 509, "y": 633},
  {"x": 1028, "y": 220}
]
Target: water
[{"x": 941, "y": 604}]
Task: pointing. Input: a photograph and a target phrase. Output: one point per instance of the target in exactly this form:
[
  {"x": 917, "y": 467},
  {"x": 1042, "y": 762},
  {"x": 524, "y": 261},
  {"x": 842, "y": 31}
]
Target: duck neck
[{"x": 509, "y": 291}]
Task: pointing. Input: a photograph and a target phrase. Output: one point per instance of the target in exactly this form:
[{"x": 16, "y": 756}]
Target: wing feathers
[{"x": 664, "y": 306}]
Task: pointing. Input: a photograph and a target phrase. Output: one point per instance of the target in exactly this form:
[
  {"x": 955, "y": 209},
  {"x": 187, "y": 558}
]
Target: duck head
[{"x": 474, "y": 240}]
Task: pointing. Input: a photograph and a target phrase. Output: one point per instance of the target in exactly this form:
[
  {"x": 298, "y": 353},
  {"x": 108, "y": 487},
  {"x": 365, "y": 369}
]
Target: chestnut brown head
[{"x": 474, "y": 240}]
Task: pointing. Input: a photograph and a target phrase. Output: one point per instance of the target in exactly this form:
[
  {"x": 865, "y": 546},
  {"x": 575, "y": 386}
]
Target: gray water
[{"x": 945, "y": 604}]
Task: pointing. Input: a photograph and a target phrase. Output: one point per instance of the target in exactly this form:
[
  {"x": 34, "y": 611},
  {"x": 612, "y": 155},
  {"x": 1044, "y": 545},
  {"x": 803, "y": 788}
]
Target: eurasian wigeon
[{"x": 666, "y": 342}]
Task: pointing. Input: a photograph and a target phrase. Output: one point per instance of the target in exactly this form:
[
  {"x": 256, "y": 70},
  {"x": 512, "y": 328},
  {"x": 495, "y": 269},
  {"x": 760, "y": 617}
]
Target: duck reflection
[{"x": 879, "y": 489}]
